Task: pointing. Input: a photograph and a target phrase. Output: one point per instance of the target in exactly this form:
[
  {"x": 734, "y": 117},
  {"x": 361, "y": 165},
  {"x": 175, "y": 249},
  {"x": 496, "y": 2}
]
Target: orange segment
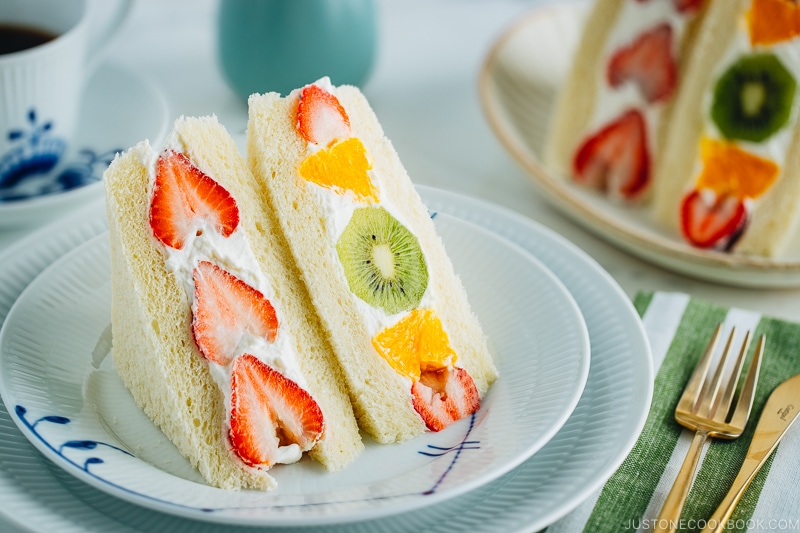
[
  {"x": 417, "y": 342},
  {"x": 773, "y": 21},
  {"x": 727, "y": 169},
  {"x": 342, "y": 167}
]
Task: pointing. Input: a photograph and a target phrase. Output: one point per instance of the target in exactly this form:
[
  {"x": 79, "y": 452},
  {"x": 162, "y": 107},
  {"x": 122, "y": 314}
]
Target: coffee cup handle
[{"x": 102, "y": 30}]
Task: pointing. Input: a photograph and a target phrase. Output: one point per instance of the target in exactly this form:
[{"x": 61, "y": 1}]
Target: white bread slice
[
  {"x": 153, "y": 347},
  {"x": 577, "y": 100},
  {"x": 381, "y": 398},
  {"x": 776, "y": 218}
]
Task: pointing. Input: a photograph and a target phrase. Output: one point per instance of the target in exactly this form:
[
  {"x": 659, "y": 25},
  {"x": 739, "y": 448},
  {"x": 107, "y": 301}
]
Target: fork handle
[{"x": 670, "y": 515}]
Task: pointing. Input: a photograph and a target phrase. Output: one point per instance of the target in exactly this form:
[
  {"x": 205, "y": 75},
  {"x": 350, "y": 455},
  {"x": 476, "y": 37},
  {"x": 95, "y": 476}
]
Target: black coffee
[{"x": 14, "y": 38}]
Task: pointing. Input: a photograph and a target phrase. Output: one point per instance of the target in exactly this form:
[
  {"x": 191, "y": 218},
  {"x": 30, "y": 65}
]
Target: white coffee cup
[{"x": 41, "y": 86}]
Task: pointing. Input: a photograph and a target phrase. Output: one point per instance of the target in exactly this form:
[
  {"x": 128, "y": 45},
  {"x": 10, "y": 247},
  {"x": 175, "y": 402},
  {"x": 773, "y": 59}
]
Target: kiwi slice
[
  {"x": 753, "y": 98},
  {"x": 382, "y": 261}
]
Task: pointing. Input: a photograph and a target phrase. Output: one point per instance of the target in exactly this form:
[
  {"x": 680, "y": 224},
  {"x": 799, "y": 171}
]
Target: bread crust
[{"x": 771, "y": 230}]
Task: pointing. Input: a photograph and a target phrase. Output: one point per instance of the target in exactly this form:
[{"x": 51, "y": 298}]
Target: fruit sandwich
[
  {"x": 613, "y": 112},
  {"x": 413, "y": 354},
  {"x": 730, "y": 177},
  {"x": 213, "y": 331}
]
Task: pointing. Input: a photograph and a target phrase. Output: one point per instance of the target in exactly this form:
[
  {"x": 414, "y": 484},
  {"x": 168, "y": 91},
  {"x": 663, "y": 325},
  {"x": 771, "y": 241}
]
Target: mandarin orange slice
[
  {"x": 416, "y": 343},
  {"x": 773, "y": 21},
  {"x": 729, "y": 170},
  {"x": 342, "y": 167}
]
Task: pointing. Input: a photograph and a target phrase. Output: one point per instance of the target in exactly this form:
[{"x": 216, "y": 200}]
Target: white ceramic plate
[
  {"x": 119, "y": 109},
  {"x": 57, "y": 377},
  {"x": 39, "y": 496},
  {"x": 518, "y": 83}
]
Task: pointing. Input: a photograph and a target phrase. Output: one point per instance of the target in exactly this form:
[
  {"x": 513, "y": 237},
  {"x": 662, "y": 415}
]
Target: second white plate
[
  {"x": 64, "y": 394},
  {"x": 518, "y": 85}
]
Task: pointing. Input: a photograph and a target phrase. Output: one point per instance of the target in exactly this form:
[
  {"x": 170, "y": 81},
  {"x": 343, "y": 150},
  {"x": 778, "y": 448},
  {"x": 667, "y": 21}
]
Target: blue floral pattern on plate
[
  {"x": 57, "y": 347},
  {"x": 94, "y": 445}
]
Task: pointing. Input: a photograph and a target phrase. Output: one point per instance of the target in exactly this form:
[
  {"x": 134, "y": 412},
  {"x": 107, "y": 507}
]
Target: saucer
[{"x": 119, "y": 109}]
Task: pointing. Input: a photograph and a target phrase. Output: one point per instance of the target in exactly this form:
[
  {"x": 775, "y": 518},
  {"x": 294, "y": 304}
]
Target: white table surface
[{"x": 424, "y": 90}]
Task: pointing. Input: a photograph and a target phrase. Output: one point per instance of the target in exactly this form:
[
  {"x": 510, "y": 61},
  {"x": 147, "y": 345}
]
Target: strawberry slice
[
  {"x": 183, "y": 196},
  {"x": 688, "y": 6},
  {"x": 709, "y": 220},
  {"x": 444, "y": 395},
  {"x": 321, "y": 119},
  {"x": 683, "y": 6},
  {"x": 269, "y": 411},
  {"x": 616, "y": 158},
  {"x": 226, "y": 311},
  {"x": 648, "y": 62}
]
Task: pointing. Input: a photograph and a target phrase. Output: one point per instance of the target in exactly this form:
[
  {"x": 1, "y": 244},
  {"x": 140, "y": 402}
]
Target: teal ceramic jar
[{"x": 279, "y": 45}]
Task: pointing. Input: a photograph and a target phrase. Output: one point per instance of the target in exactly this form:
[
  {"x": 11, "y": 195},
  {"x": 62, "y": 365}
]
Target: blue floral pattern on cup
[
  {"x": 31, "y": 167},
  {"x": 37, "y": 151}
]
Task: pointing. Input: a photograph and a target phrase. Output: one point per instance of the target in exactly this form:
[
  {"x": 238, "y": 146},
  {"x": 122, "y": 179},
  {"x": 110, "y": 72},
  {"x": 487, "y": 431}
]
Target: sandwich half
[
  {"x": 213, "y": 331},
  {"x": 730, "y": 177},
  {"x": 613, "y": 112},
  {"x": 413, "y": 353}
]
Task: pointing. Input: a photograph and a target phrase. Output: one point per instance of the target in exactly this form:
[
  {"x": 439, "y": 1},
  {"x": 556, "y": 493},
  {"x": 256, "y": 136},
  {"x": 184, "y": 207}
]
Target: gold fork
[{"x": 705, "y": 407}]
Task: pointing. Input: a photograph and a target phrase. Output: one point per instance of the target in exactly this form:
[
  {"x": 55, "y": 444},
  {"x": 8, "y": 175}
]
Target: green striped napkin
[{"x": 678, "y": 328}]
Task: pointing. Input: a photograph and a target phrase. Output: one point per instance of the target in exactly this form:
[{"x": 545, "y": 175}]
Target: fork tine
[
  {"x": 745, "y": 402},
  {"x": 723, "y": 407},
  {"x": 707, "y": 404},
  {"x": 706, "y": 391},
  {"x": 692, "y": 389}
]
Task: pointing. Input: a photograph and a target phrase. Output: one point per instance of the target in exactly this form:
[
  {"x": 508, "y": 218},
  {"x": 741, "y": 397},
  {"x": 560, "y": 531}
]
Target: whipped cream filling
[
  {"x": 235, "y": 255},
  {"x": 634, "y": 19},
  {"x": 337, "y": 209}
]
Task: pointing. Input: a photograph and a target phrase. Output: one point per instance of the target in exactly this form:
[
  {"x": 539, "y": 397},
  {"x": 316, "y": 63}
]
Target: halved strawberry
[
  {"x": 616, "y": 158},
  {"x": 709, "y": 220},
  {"x": 268, "y": 411},
  {"x": 649, "y": 62},
  {"x": 226, "y": 309},
  {"x": 444, "y": 395},
  {"x": 182, "y": 195},
  {"x": 321, "y": 119}
]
